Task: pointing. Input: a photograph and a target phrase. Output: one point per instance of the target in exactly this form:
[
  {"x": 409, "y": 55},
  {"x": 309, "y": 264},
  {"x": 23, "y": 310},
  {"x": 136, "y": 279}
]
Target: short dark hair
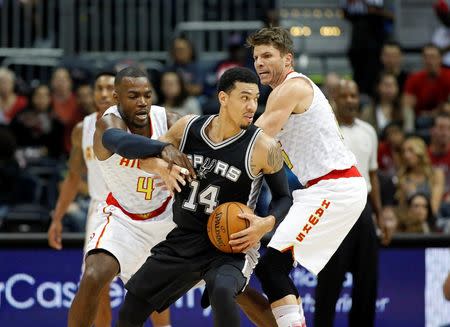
[
  {"x": 431, "y": 46},
  {"x": 131, "y": 71},
  {"x": 104, "y": 73},
  {"x": 392, "y": 43},
  {"x": 277, "y": 36},
  {"x": 227, "y": 81}
]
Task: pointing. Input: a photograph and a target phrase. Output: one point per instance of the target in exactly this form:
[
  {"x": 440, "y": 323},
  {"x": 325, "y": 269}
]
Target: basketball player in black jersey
[{"x": 230, "y": 156}]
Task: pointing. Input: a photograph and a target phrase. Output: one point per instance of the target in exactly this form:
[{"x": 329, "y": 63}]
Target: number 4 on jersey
[{"x": 145, "y": 185}]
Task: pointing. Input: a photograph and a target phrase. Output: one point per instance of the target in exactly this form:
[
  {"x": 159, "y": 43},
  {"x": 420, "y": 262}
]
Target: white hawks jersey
[
  {"x": 312, "y": 140},
  {"x": 96, "y": 185},
  {"x": 134, "y": 189}
]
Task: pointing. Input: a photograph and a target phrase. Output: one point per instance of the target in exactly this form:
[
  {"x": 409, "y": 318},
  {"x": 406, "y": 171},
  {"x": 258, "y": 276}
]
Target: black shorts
[{"x": 177, "y": 264}]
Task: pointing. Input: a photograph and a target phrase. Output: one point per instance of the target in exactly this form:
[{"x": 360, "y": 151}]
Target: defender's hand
[
  {"x": 174, "y": 156},
  {"x": 172, "y": 176}
]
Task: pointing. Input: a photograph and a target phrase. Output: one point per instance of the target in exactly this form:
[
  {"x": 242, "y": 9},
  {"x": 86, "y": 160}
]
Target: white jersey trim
[{"x": 216, "y": 146}]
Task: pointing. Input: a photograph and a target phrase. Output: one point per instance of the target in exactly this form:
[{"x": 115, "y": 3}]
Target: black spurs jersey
[{"x": 223, "y": 174}]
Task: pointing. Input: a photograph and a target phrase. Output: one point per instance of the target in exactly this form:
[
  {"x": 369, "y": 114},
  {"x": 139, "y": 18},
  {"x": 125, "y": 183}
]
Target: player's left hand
[{"x": 249, "y": 237}]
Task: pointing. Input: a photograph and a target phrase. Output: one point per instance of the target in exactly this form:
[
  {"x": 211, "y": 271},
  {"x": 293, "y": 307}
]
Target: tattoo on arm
[{"x": 274, "y": 157}]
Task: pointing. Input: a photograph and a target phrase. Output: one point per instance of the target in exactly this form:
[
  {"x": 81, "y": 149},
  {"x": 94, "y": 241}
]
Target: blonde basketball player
[{"x": 300, "y": 117}]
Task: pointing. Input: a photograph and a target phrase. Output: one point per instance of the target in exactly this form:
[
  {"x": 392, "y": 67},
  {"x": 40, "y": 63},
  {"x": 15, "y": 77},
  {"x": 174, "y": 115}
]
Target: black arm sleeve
[
  {"x": 281, "y": 195},
  {"x": 131, "y": 146}
]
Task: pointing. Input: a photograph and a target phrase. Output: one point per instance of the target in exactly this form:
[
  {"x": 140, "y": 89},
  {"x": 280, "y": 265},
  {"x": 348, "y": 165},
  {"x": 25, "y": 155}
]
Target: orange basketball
[{"x": 224, "y": 221}]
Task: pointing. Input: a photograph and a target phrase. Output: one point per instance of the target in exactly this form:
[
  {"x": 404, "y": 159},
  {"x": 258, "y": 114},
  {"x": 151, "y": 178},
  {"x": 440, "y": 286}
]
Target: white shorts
[
  {"x": 319, "y": 219},
  {"x": 93, "y": 220},
  {"x": 128, "y": 240}
]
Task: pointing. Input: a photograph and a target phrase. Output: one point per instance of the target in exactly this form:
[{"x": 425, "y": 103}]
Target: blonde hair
[
  {"x": 419, "y": 148},
  {"x": 8, "y": 73}
]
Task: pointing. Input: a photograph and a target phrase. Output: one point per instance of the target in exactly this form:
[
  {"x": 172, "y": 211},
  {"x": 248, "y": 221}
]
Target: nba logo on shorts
[{"x": 92, "y": 236}]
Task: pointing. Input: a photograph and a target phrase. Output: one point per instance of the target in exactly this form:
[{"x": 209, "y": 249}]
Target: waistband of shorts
[
  {"x": 335, "y": 174},
  {"x": 111, "y": 200}
]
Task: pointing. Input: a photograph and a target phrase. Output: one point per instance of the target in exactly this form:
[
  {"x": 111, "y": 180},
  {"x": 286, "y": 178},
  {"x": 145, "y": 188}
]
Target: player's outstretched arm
[
  {"x": 292, "y": 96},
  {"x": 171, "y": 154},
  {"x": 69, "y": 188}
]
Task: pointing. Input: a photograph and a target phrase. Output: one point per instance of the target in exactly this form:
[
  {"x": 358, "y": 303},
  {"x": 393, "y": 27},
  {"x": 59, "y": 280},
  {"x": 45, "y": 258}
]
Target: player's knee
[
  {"x": 273, "y": 272},
  {"x": 273, "y": 264},
  {"x": 224, "y": 288},
  {"x": 98, "y": 273}
]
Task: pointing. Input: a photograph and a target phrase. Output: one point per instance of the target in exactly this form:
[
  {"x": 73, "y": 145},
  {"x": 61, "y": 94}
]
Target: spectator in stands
[
  {"x": 427, "y": 89},
  {"x": 185, "y": 61},
  {"x": 330, "y": 87},
  {"x": 389, "y": 149},
  {"x": 391, "y": 60},
  {"x": 439, "y": 148},
  {"x": 358, "y": 253},
  {"x": 36, "y": 128},
  {"x": 418, "y": 217},
  {"x": 415, "y": 174},
  {"x": 386, "y": 105},
  {"x": 368, "y": 19},
  {"x": 10, "y": 102},
  {"x": 65, "y": 104},
  {"x": 9, "y": 170},
  {"x": 85, "y": 99},
  {"x": 441, "y": 35},
  {"x": 237, "y": 55},
  {"x": 174, "y": 95},
  {"x": 439, "y": 152}
]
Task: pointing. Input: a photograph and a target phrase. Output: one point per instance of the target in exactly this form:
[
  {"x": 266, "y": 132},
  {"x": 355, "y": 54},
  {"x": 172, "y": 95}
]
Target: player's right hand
[
  {"x": 174, "y": 156},
  {"x": 54, "y": 234}
]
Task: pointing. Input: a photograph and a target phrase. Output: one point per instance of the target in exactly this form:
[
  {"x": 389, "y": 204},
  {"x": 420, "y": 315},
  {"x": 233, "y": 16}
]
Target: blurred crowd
[{"x": 409, "y": 110}]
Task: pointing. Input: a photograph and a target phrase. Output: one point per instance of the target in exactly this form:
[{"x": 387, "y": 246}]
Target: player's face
[
  {"x": 134, "y": 97},
  {"x": 103, "y": 92},
  {"x": 270, "y": 64},
  {"x": 242, "y": 103}
]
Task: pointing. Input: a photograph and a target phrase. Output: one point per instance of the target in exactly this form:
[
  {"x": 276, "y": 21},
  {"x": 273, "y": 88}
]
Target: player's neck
[
  {"x": 282, "y": 77},
  {"x": 221, "y": 129}
]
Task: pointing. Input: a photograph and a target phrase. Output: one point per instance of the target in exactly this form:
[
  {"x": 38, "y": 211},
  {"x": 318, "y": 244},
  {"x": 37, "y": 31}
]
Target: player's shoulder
[
  {"x": 264, "y": 142},
  {"x": 295, "y": 87}
]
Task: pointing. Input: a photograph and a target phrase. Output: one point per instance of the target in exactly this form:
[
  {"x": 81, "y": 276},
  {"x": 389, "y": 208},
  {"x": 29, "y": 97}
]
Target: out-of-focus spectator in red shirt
[
  {"x": 390, "y": 148},
  {"x": 65, "y": 103},
  {"x": 427, "y": 89},
  {"x": 10, "y": 102}
]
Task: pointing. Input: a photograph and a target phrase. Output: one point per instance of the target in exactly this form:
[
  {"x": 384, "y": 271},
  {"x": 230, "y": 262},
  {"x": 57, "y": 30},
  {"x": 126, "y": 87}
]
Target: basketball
[{"x": 224, "y": 221}]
